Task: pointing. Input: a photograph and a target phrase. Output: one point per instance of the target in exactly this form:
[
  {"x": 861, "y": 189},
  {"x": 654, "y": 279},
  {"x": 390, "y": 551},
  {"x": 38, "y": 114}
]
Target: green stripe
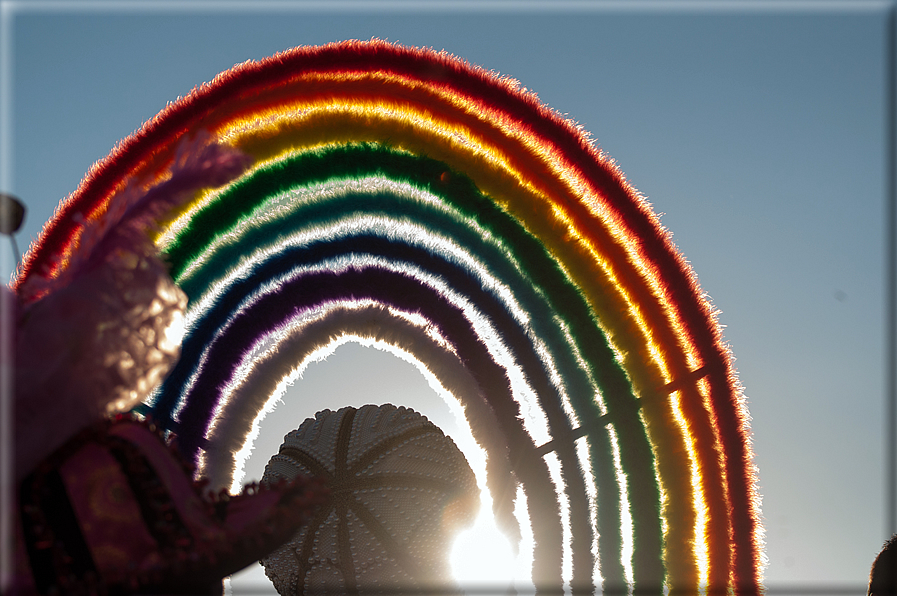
[{"x": 538, "y": 284}]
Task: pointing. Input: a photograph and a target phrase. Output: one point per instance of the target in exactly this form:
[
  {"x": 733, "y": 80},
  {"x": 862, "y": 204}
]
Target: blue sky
[{"x": 757, "y": 130}]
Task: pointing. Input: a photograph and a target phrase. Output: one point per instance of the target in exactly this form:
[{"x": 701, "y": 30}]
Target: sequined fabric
[{"x": 115, "y": 511}]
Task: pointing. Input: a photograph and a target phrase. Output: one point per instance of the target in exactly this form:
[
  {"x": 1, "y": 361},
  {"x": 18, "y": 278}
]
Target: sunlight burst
[{"x": 482, "y": 556}]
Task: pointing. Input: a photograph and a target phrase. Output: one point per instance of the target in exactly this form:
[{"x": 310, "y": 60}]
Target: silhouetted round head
[
  {"x": 400, "y": 491},
  {"x": 883, "y": 577}
]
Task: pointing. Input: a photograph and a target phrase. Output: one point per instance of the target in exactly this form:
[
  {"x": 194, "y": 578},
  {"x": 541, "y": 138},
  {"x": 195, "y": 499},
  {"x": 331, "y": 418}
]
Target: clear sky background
[{"x": 757, "y": 130}]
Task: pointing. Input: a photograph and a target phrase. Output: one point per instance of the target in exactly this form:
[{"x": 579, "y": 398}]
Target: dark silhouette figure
[{"x": 883, "y": 577}]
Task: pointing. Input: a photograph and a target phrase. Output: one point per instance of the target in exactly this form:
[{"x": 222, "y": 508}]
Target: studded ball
[{"x": 400, "y": 490}]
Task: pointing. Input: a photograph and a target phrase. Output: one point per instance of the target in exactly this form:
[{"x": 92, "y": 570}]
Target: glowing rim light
[
  {"x": 582, "y": 453},
  {"x": 702, "y": 552},
  {"x": 625, "y": 513},
  {"x": 473, "y": 452},
  {"x": 535, "y": 421},
  {"x": 554, "y": 468}
]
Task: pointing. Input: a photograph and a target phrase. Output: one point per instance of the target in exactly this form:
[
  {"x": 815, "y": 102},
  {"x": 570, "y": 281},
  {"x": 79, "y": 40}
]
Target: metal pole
[{"x": 891, "y": 275}]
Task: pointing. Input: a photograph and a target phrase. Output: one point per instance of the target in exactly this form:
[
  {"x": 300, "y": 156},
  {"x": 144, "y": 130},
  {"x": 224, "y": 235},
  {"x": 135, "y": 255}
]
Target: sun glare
[{"x": 482, "y": 556}]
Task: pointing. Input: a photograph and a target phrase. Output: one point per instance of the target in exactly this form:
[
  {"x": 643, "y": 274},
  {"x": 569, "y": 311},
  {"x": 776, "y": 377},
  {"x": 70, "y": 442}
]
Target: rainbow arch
[{"x": 405, "y": 196}]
